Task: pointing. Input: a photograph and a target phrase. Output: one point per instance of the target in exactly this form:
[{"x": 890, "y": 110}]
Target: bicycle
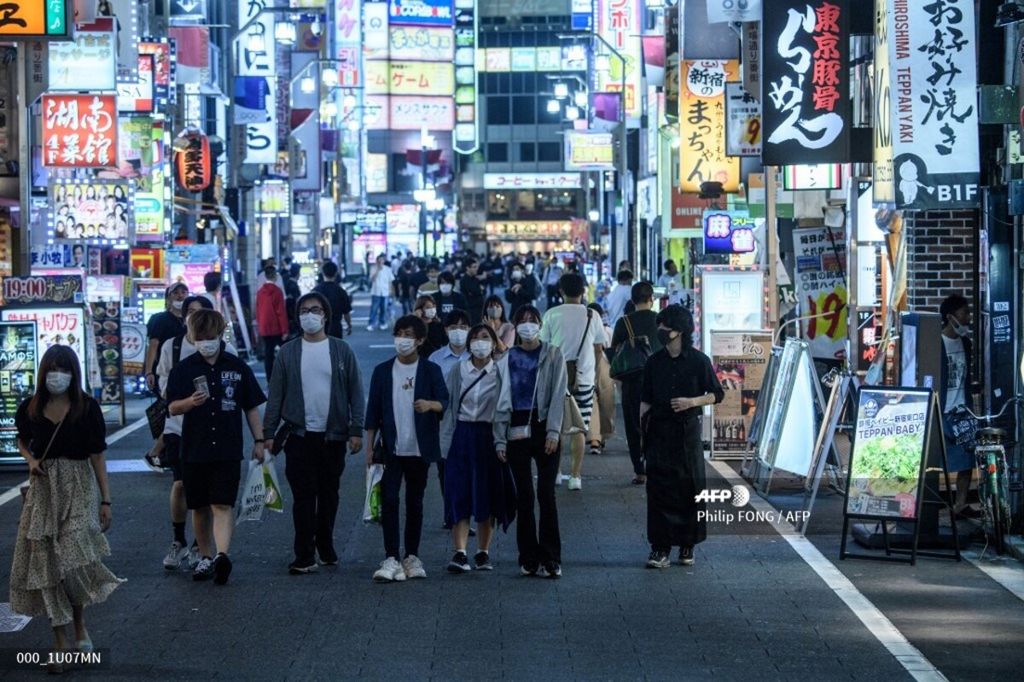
[{"x": 993, "y": 475}]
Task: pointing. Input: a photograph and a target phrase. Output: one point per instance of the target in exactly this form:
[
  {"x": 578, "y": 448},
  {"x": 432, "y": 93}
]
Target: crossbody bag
[{"x": 24, "y": 489}]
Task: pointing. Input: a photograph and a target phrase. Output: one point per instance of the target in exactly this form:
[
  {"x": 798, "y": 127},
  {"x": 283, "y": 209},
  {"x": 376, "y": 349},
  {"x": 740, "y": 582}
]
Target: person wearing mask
[
  {"x": 494, "y": 317},
  {"x": 446, "y": 298},
  {"x": 315, "y": 407},
  {"x": 678, "y": 381},
  {"x": 472, "y": 286},
  {"x": 579, "y": 334},
  {"x": 476, "y": 483},
  {"x": 171, "y": 353},
  {"x": 619, "y": 297},
  {"x": 406, "y": 400},
  {"x": 213, "y": 390},
  {"x": 602, "y": 421},
  {"x": 527, "y": 428},
  {"x": 57, "y": 568},
  {"x": 261, "y": 279},
  {"x": 381, "y": 279},
  {"x": 552, "y": 275},
  {"x": 672, "y": 282},
  {"x": 271, "y": 319},
  {"x": 522, "y": 290},
  {"x": 456, "y": 326},
  {"x": 642, "y": 326},
  {"x": 426, "y": 309},
  {"x": 338, "y": 299},
  {"x": 430, "y": 286},
  {"x": 955, "y": 393},
  {"x": 163, "y": 326}
]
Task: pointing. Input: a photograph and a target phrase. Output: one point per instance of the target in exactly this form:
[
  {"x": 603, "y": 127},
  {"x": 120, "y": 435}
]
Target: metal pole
[
  {"x": 423, "y": 207},
  {"x": 771, "y": 225}
]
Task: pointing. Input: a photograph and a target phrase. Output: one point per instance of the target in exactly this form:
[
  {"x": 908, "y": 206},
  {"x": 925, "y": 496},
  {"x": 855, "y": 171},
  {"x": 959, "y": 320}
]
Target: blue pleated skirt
[{"x": 476, "y": 483}]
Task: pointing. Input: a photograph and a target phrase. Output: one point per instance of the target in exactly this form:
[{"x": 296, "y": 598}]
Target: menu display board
[
  {"x": 106, "y": 329},
  {"x": 740, "y": 360},
  {"x": 887, "y": 461},
  {"x": 19, "y": 360},
  {"x": 133, "y": 348}
]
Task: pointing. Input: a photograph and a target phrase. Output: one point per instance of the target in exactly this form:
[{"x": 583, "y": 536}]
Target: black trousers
[
  {"x": 313, "y": 467},
  {"x": 535, "y": 549},
  {"x": 631, "y": 417},
  {"x": 270, "y": 346},
  {"x": 414, "y": 470}
]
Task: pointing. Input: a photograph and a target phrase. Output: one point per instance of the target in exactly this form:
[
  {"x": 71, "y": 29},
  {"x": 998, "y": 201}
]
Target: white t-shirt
[
  {"x": 381, "y": 281},
  {"x": 316, "y": 383},
  {"x": 403, "y": 388},
  {"x": 956, "y": 373},
  {"x": 564, "y": 326},
  {"x": 617, "y": 300}
]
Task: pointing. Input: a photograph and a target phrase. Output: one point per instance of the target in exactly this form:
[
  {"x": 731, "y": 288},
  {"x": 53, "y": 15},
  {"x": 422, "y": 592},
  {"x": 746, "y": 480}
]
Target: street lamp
[
  {"x": 554, "y": 106},
  {"x": 580, "y": 98},
  {"x": 329, "y": 76},
  {"x": 284, "y": 32},
  {"x": 307, "y": 85},
  {"x": 572, "y": 113}
]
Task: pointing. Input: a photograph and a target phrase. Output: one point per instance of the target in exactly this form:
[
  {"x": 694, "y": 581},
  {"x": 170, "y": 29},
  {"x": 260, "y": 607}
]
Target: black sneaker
[
  {"x": 483, "y": 561},
  {"x": 658, "y": 560},
  {"x": 203, "y": 570},
  {"x": 686, "y": 556},
  {"x": 459, "y": 563},
  {"x": 221, "y": 569},
  {"x": 552, "y": 570},
  {"x": 328, "y": 558},
  {"x": 529, "y": 571},
  {"x": 301, "y": 568}
]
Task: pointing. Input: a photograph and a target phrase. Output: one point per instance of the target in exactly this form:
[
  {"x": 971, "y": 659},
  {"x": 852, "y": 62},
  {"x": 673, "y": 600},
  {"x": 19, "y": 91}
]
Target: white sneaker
[
  {"x": 390, "y": 571},
  {"x": 575, "y": 483},
  {"x": 175, "y": 554},
  {"x": 558, "y": 479},
  {"x": 413, "y": 567},
  {"x": 369, "y": 327},
  {"x": 193, "y": 556},
  {"x": 384, "y": 327}
]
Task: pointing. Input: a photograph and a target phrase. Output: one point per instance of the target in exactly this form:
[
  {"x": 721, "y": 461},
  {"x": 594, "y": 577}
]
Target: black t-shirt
[
  {"x": 77, "y": 439},
  {"x": 690, "y": 375},
  {"x": 645, "y": 323},
  {"x": 446, "y": 304},
  {"x": 163, "y": 326},
  {"x": 212, "y": 432},
  {"x": 437, "y": 338},
  {"x": 416, "y": 280},
  {"x": 340, "y": 302}
]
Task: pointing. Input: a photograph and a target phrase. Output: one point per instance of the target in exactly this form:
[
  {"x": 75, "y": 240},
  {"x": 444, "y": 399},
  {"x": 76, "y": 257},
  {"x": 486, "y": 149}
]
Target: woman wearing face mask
[
  {"x": 527, "y": 428},
  {"x": 426, "y": 309},
  {"x": 678, "y": 381},
  {"x": 58, "y": 568},
  {"x": 447, "y": 299},
  {"x": 494, "y": 317},
  {"x": 476, "y": 483}
]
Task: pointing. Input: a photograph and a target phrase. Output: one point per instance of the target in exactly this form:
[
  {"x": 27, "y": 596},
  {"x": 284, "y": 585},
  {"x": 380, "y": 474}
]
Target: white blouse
[{"x": 480, "y": 401}]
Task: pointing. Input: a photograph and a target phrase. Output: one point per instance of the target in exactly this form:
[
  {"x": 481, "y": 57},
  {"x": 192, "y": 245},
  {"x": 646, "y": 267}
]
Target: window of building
[
  {"x": 498, "y": 110},
  {"x": 549, "y": 151},
  {"x": 499, "y": 204},
  {"x": 524, "y": 109},
  {"x": 527, "y": 152},
  {"x": 497, "y": 152}
]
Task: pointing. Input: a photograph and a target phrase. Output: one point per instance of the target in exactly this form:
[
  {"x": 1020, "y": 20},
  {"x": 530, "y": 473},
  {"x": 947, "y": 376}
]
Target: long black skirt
[{"x": 674, "y": 454}]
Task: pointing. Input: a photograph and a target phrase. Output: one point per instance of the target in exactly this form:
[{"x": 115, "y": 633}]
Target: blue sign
[
  {"x": 728, "y": 232},
  {"x": 421, "y": 13}
]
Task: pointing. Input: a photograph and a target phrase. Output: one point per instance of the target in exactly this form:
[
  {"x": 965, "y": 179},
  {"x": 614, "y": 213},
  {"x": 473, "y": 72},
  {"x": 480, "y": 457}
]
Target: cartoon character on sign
[{"x": 909, "y": 183}]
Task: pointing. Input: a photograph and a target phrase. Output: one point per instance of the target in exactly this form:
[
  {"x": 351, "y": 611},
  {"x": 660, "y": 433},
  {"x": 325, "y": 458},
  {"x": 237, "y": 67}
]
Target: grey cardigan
[
  {"x": 552, "y": 379},
  {"x": 454, "y": 382},
  {"x": 287, "y": 403}
]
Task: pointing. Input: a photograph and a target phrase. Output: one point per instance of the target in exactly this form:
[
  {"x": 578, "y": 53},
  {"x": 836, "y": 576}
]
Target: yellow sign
[
  {"x": 410, "y": 78},
  {"x": 23, "y": 19},
  {"x": 883, "y": 187},
  {"x": 702, "y": 151}
]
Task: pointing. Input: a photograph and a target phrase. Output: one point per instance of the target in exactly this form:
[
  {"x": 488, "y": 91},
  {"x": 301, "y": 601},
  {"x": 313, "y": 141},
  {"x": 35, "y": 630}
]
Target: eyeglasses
[{"x": 315, "y": 311}]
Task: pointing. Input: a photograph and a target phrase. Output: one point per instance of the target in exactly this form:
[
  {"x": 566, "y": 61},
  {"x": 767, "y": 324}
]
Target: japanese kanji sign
[
  {"x": 820, "y": 254},
  {"x": 256, "y": 47},
  {"x": 194, "y": 163},
  {"x": 618, "y": 22},
  {"x": 883, "y": 189},
  {"x": 57, "y": 290},
  {"x": 933, "y": 103},
  {"x": 728, "y": 232},
  {"x": 702, "y": 154},
  {"x": 25, "y": 19},
  {"x": 89, "y": 63},
  {"x": 348, "y": 39},
  {"x": 743, "y": 127},
  {"x": 79, "y": 131},
  {"x": 532, "y": 181},
  {"x": 805, "y": 82}
]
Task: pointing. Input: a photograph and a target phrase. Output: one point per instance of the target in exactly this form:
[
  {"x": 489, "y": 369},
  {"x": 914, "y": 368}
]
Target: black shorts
[
  {"x": 208, "y": 483},
  {"x": 172, "y": 454}
]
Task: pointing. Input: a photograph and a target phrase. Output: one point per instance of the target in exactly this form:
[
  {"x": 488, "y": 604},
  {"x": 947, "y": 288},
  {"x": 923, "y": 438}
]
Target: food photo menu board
[{"x": 106, "y": 329}]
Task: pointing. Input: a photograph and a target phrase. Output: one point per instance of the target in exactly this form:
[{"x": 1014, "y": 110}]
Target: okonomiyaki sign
[{"x": 933, "y": 81}]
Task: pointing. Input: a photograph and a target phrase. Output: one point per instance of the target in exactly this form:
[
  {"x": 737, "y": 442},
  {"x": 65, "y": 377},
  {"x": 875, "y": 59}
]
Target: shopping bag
[
  {"x": 273, "y": 500},
  {"x": 156, "y": 416},
  {"x": 254, "y": 495},
  {"x": 371, "y": 507}
]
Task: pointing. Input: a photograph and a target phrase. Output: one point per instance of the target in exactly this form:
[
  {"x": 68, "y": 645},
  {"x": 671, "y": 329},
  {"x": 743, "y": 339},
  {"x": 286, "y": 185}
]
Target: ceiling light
[
  {"x": 561, "y": 90},
  {"x": 553, "y": 106},
  {"x": 580, "y": 98},
  {"x": 329, "y": 77},
  {"x": 284, "y": 32},
  {"x": 572, "y": 113},
  {"x": 307, "y": 85},
  {"x": 255, "y": 43}
]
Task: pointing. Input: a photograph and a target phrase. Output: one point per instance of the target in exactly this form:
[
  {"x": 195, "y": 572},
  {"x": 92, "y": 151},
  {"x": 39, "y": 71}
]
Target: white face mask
[
  {"x": 404, "y": 346},
  {"x": 517, "y": 274},
  {"x": 311, "y": 323},
  {"x": 528, "y": 331},
  {"x": 457, "y": 337},
  {"x": 57, "y": 383},
  {"x": 177, "y": 304},
  {"x": 481, "y": 348},
  {"x": 446, "y": 289},
  {"x": 529, "y": 268},
  {"x": 494, "y": 312},
  {"x": 208, "y": 348},
  {"x": 960, "y": 329},
  {"x": 430, "y": 313}
]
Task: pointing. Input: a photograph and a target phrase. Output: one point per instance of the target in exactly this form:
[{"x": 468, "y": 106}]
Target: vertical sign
[
  {"x": 466, "y": 102},
  {"x": 348, "y": 41},
  {"x": 933, "y": 81},
  {"x": 883, "y": 189},
  {"x": 256, "y": 59},
  {"x": 820, "y": 254},
  {"x": 26, "y": 19},
  {"x": 743, "y": 128},
  {"x": 618, "y": 22},
  {"x": 702, "y": 156},
  {"x": 806, "y": 82}
]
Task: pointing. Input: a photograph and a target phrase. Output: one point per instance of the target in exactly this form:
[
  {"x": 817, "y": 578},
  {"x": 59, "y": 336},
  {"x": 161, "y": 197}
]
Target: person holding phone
[{"x": 213, "y": 389}]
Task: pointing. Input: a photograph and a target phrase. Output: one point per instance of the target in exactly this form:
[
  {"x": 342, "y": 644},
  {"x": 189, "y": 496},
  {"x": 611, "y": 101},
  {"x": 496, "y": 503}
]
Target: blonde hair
[{"x": 205, "y": 324}]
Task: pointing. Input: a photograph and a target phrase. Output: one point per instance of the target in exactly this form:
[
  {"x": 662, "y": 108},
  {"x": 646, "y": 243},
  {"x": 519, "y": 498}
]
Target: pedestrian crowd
[{"x": 486, "y": 388}]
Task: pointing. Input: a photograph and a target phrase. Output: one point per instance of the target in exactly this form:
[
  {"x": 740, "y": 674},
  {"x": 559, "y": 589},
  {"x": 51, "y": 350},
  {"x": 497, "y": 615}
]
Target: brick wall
[{"x": 942, "y": 257}]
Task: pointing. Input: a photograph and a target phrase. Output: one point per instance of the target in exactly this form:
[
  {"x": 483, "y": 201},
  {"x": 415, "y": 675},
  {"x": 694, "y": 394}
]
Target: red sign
[
  {"x": 79, "y": 131},
  {"x": 194, "y": 168}
]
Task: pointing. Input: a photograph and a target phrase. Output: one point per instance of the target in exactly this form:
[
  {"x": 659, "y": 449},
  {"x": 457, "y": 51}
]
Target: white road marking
[
  {"x": 912, "y": 660},
  {"x": 1005, "y": 570},
  {"x": 382, "y": 345}
]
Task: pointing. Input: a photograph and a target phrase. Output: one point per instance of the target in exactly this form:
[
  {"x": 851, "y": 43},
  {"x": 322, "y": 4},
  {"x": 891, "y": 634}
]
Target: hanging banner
[
  {"x": 89, "y": 63},
  {"x": 149, "y": 192},
  {"x": 79, "y": 131},
  {"x": 136, "y": 97},
  {"x": 250, "y": 99},
  {"x": 806, "y": 82},
  {"x": 619, "y": 23},
  {"x": 193, "y": 163},
  {"x": 348, "y": 42},
  {"x": 164, "y": 66},
  {"x": 933, "y": 85},
  {"x": 702, "y": 155},
  {"x": 256, "y": 47},
  {"x": 721, "y": 11},
  {"x": 743, "y": 122},
  {"x": 820, "y": 254},
  {"x": 261, "y": 138}
]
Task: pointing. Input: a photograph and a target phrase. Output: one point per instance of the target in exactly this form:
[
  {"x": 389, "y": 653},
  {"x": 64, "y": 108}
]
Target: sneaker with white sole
[
  {"x": 658, "y": 559},
  {"x": 483, "y": 561},
  {"x": 204, "y": 570},
  {"x": 459, "y": 563},
  {"x": 559, "y": 478},
  {"x": 575, "y": 483},
  {"x": 413, "y": 567},
  {"x": 390, "y": 571},
  {"x": 175, "y": 554},
  {"x": 193, "y": 556},
  {"x": 369, "y": 327}
]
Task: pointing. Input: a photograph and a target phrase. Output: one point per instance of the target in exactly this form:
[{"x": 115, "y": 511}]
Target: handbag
[
  {"x": 24, "y": 489},
  {"x": 571, "y": 365},
  {"x": 572, "y": 419},
  {"x": 156, "y": 415},
  {"x": 632, "y": 356}
]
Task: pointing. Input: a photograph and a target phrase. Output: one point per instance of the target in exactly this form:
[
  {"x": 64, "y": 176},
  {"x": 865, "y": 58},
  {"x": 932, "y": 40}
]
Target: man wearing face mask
[
  {"x": 955, "y": 393},
  {"x": 457, "y": 326},
  {"x": 407, "y": 398},
  {"x": 163, "y": 326},
  {"x": 472, "y": 289},
  {"x": 447, "y": 298},
  {"x": 315, "y": 407},
  {"x": 523, "y": 290}
]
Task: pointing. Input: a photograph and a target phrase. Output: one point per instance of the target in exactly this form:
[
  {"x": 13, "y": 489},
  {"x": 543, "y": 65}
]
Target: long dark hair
[
  {"x": 60, "y": 358},
  {"x": 496, "y": 301}
]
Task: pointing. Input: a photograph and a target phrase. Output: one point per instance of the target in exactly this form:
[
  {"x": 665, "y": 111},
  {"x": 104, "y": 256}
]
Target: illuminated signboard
[
  {"x": 410, "y": 78},
  {"x": 87, "y": 63},
  {"x": 36, "y": 19},
  {"x": 814, "y": 176},
  {"x": 585, "y": 150},
  {"x": 79, "y": 131},
  {"x": 420, "y": 12},
  {"x": 92, "y": 211},
  {"x": 532, "y": 181},
  {"x": 728, "y": 232}
]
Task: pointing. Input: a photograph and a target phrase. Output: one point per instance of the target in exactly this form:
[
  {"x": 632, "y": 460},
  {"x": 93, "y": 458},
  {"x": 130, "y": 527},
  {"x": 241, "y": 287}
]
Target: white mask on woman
[
  {"x": 481, "y": 348},
  {"x": 528, "y": 331},
  {"x": 430, "y": 313},
  {"x": 494, "y": 312},
  {"x": 57, "y": 383}
]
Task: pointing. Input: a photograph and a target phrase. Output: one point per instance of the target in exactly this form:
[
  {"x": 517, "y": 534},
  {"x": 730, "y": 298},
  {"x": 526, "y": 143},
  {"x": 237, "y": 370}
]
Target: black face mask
[{"x": 665, "y": 336}]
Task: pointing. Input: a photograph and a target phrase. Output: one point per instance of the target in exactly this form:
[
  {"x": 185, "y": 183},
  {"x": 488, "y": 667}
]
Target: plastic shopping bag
[
  {"x": 371, "y": 507},
  {"x": 273, "y": 501},
  {"x": 254, "y": 495}
]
